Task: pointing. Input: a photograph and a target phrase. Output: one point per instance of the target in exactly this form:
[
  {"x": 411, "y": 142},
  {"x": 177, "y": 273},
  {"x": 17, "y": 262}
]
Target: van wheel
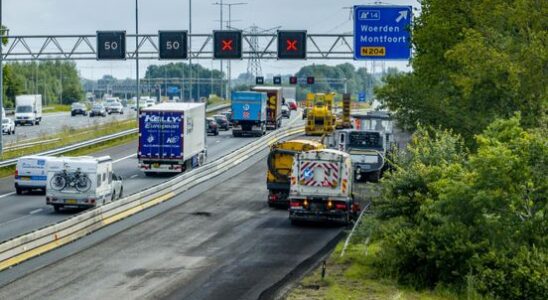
[
  {"x": 57, "y": 208},
  {"x": 113, "y": 197},
  {"x": 121, "y": 193},
  {"x": 18, "y": 190}
]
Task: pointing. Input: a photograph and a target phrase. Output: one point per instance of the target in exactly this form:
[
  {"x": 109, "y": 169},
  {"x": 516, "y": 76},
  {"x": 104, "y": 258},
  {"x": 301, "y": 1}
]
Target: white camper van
[
  {"x": 28, "y": 109},
  {"x": 81, "y": 182}
]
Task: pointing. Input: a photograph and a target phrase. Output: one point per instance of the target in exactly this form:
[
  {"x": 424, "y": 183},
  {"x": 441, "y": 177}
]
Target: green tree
[
  {"x": 470, "y": 220},
  {"x": 474, "y": 62}
]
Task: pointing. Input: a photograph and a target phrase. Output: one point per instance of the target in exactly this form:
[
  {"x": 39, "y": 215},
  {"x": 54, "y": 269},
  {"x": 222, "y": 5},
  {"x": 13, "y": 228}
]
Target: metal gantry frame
[{"x": 83, "y": 47}]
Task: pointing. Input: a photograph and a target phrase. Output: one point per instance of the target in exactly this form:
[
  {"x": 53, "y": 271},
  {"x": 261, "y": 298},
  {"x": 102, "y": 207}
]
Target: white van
[
  {"x": 31, "y": 173},
  {"x": 81, "y": 182}
]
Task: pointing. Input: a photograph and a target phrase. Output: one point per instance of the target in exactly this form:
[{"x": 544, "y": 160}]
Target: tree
[{"x": 474, "y": 62}]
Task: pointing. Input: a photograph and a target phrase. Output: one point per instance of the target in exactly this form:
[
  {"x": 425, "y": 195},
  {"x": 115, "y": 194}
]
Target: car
[
  {"x": 212, "y": 126},
  {"x": 292, "y": 104},
  {"x": 222, "y": 121},
  {"x": 78, "y": 109},
  {"x": 228, "y": 115},
  {"x": 98, "y": 110},
  {"x": 8, "y": 126},
  {"x": 150, "y": 102},
  {"x": 115, "y": 107},
  {"x": 286, "y": 113}
]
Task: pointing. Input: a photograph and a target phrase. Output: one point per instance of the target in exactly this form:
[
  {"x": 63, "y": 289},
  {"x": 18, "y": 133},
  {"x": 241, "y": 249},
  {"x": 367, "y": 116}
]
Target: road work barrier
[
  {"x": 106, "y": 138},
  {"x": 24, "y": 247}
]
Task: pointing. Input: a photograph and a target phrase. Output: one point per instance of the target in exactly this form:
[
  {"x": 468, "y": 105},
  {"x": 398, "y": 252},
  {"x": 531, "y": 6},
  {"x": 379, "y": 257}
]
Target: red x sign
[
  {"x": 227, "y": 45},
  {"x": 291, "y": 45}
]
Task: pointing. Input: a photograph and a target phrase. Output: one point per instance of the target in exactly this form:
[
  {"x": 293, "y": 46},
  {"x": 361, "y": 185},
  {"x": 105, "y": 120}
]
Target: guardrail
[
  {"x": 24, "y": 247},
  {"x": 12, "y": 162}
]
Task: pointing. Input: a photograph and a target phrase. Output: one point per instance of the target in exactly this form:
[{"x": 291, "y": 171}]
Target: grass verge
[
  {"x": 353, "y": 277},
  {"x": 56, "y": 108}
]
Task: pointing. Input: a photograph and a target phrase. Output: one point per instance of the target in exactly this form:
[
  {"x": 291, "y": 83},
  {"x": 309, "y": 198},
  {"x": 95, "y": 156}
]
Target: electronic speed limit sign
[
  {"x": 111, "y": 45},
  {"x": 172, "y": 44}
]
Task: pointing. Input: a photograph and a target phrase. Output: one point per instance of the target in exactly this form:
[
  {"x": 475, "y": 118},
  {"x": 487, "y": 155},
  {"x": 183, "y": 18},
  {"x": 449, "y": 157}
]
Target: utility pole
[
  {"x": 138, "y": 92},
  {"x": 1, "y": 76}
]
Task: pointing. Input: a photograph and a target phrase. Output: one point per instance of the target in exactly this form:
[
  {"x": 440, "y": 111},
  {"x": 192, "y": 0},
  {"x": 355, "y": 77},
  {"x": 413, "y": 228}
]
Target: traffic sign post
[
  {"x": 111, "y": 45},
  {"x": 227, "y": 44},
  {"x": 292, "y": 44},
  {"x": 172, "y": 44},
  {"x": 382, "y": 32}
]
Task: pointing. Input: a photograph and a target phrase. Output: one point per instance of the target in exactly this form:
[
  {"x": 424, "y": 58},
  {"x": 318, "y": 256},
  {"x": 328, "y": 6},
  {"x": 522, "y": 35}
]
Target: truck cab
[{"x": 28, "y": 109}]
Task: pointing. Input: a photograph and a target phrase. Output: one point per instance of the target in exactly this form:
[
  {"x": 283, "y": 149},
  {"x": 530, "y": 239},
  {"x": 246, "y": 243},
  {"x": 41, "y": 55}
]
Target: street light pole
[
  {"x": 189, "y": 49},
  {"x": 1, "y": 77},
  {"x": 138, "y": 92}
]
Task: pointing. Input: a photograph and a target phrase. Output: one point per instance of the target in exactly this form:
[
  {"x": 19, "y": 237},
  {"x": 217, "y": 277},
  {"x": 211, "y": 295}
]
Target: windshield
[
  {"x": 363, "y": 139},
  {"x": 97, "y": 107},
  {"x": 23, "y": 109}
]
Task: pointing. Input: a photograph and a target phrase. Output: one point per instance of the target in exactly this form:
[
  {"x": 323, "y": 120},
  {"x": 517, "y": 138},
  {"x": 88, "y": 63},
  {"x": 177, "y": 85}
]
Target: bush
[{"x": 453, "y": 216}]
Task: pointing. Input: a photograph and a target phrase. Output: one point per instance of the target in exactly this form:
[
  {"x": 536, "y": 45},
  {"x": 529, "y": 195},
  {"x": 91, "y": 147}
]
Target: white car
[
  {"x": 150, "y": 102},
  {"x": 8, "y": 126},
  {"x": 286, "y": 113}
]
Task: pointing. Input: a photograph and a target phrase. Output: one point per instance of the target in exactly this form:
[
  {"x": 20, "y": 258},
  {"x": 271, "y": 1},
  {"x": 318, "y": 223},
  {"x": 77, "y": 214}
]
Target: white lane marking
[
  {"x": 7, "y": 195},
  {"x": 134, "y": 176},
  {"x": 35, "y": 211},
  {"x": 124, "y": 158},
  {"x": 217, "y": 141}
]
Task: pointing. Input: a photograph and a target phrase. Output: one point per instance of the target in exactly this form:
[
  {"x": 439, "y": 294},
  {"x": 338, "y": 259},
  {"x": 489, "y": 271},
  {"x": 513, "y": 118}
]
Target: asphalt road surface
[
  {"x": 221, "y": 242},
  {"x": 25, "y": 213}
]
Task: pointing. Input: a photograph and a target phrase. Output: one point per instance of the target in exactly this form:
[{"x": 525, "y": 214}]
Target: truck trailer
[
  {"x": 273, "y": 106},
  {"x": 321, "y": 188},
  {"x": 248, "y": 113},
  {"x": 280, "y": 162},
  {"x": 172, "y": 137}
]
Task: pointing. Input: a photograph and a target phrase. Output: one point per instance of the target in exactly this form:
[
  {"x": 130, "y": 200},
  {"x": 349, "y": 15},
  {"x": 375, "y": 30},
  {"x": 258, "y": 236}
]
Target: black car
[
  {"x": 228, "y": 115},
  {"x": 212, "y": 126},
  {"x": 78, "y": 109},
  {"x": 222, "y": 121},
  {"x": 98, "y": 110}
]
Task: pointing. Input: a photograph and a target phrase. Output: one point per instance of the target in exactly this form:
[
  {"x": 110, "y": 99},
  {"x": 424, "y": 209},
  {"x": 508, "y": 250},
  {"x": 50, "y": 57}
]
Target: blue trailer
[
  {"x": 171, "y": 137},
  {"x": 248, "y": 113}
]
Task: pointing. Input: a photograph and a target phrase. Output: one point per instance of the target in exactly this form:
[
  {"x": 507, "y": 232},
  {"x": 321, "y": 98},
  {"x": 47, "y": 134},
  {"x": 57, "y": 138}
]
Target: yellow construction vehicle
[
  {"x": 280, "y": 161},
  {"x": 320, "y": 117},
  {"x": 343, "y": 120}
]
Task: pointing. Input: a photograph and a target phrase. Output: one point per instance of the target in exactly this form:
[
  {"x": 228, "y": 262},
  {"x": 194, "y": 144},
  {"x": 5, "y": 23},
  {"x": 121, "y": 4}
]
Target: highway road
[
  {"x": 24, "y": 213},
  {"x": 219, "y": 240},
  {"x": 55, "y": 122}
]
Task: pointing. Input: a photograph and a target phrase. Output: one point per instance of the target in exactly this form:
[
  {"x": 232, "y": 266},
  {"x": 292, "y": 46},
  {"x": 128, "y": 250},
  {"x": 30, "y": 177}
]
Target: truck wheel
[
  {"x": 18, "y": 190},
  {"x": 296, "y": 222},
  {"x": 121, "y": 193},
  {"x": 57, "y": 208},
  {"x": 148, "y": 174}
]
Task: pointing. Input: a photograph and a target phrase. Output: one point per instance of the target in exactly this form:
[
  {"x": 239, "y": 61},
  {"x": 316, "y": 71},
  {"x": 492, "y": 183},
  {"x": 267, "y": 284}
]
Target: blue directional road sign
[
  {"x": 361, "y": 97},
  {"x": 382, "y": 32}
]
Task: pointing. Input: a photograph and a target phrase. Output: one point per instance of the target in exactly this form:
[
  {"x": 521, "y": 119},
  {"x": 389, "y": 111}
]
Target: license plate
[
  {"x": 24, "y": 178},
  {"x": 156, "y": 165},
  {"x": 71, "y": 201}
]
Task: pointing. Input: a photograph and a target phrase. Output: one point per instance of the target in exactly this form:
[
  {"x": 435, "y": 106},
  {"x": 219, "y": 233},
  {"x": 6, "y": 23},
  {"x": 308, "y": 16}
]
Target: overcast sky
[{"x": 55, "y": 17}]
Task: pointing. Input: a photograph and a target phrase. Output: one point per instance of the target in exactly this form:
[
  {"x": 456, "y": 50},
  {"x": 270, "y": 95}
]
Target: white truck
[
  {"x": 321, "y": 188},
  {"x": 28, "y": 109},
  {"x": 172, "y": 137},
  {"x": 81, "y": 182}
]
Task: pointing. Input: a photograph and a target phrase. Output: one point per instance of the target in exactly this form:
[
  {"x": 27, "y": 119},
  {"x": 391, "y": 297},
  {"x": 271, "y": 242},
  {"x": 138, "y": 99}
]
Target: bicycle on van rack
[{"x": 77, "y": 180}]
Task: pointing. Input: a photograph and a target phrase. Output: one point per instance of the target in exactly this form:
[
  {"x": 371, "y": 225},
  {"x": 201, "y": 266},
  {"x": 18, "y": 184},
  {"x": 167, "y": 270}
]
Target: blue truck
[
  {"x": 248, "y": 113},
  {"x": 171, "y": 137}
]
